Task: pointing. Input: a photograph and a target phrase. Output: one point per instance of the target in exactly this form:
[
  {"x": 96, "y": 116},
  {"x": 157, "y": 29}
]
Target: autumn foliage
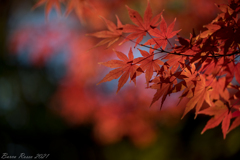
[{"x": 204, "y": 69}]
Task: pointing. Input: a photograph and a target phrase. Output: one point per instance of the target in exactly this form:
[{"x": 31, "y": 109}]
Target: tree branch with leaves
[{"x": 202, "y": 68}]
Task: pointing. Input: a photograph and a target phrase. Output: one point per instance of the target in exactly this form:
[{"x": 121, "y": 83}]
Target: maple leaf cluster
[{"x": 202, "y": 68}]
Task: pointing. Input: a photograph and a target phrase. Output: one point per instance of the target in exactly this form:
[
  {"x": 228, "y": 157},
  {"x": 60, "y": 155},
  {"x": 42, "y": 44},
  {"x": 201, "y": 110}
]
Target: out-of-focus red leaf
[
  {"x": 111, "y": 36},
  {"x": 49, "y": 5}
]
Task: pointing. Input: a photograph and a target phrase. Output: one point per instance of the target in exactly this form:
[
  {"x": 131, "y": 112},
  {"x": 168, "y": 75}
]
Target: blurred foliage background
[{"x": 50, "y": 104}]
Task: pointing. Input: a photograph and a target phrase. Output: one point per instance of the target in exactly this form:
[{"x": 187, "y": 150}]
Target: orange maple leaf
[
  {"x": 211, "y": 29},
  {"x": 125, "y": 69}
]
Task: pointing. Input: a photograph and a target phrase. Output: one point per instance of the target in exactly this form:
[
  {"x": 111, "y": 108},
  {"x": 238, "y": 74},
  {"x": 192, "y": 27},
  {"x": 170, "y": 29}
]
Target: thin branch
[{"x": 180, "y": 54}]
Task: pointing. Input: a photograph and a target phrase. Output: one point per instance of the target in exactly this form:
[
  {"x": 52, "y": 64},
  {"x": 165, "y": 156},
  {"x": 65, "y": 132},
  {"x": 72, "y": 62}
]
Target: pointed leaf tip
[{"x": 195, "y": 116}]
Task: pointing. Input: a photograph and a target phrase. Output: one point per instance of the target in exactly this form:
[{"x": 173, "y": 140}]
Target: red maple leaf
[
  {"x": 221, "y": 113},
  {"x": 174, "y": 61},
  {"x": 148, "y": 64},
  {"x": 201, "y": 94},
  {"x": 218, "y": 89},
  {"x": 163, "y": 34},
  {"x": 142, "y": 25},
  {"x": 125, "y": 69},
  {"x": 236, "y": 122},
  {"x": 162, "y": 91},
  {"x": 164, "y": 85}
]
